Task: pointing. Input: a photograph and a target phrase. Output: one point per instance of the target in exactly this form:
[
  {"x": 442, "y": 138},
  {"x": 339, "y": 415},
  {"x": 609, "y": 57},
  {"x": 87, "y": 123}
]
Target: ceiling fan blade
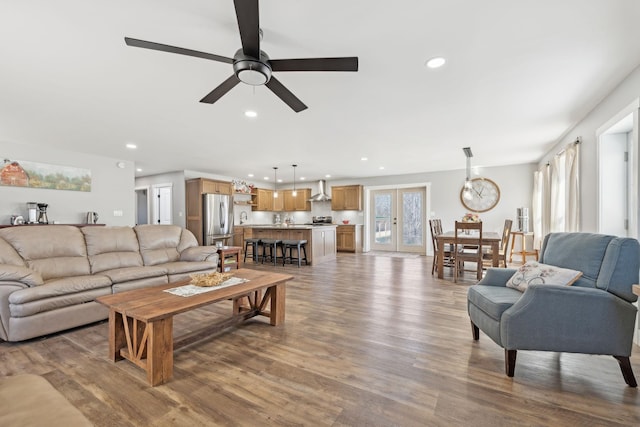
[
  {"x": 219, "y": 92},
  {"x": 285, "y": 94},
  {"x": 173, "y": 49},
  {"x": 249, "y": 24},
  {"x": 315, "y": 64}
]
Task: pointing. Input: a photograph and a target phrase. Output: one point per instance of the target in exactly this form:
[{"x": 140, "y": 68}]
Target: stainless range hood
[{"x": 321, "y": 196}]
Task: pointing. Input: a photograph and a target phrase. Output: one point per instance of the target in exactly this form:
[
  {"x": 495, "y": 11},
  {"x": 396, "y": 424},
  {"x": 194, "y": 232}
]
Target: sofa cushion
[
  {"x": 535, "y": 273},
  {"x": 493, "y": 300},
  {"x": 188, "y": 267},
  {"x": 57, "y": 302},
  {"x": 16, "y": 273},
  {"x": 8, "y": 255},
  {"x": 52, "y": 250},
  {"x": 120, "y": 275},
  {"x": 112, "y": 247},
  {"x": 57, "y": 287},
  {"x": 158, "y": 243},
  {"x": 559, "y": 249}
]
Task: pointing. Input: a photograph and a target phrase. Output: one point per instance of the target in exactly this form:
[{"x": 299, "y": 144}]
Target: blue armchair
[{"x": 594, "y": 316}]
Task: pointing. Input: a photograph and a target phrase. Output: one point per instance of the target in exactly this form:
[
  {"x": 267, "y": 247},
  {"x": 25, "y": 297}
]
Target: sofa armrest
[
  {"x": 497, "y": 276},
  {"x": 16, "y": 273},
  {"x": 200, "y": 253},
  {"x": 569, "y": 319}
]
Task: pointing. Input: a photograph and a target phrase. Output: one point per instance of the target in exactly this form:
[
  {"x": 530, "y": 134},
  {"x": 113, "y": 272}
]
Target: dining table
[{"x": 489, "y": 238}]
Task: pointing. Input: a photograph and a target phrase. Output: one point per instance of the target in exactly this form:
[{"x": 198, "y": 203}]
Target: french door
[{"x": 397, "y": 220}]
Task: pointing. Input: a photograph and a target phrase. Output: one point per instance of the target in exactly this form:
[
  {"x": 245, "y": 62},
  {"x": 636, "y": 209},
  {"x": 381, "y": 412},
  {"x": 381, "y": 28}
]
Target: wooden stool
[
  {"x": 290, "y": 244},
  {"x": 523, "y": 251},
  {"x": 272, "y": 245},
  {"x": 253, "y": 244}
]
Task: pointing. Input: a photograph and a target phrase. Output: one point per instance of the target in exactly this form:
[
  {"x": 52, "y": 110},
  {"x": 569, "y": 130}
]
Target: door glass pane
[
  {"x": 382, "y": 204},
  {"x": 412, "y": 218}
]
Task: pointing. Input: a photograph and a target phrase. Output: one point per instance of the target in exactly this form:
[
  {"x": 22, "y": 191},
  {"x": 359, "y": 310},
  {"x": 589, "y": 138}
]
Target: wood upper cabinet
[
  {"x": 215, "y": 187},
  {"x": 346, "y": 198},
  {"x": 263, "y": 200},
  {"x": 194, "y": 189},
  {"x": 278, "y": 202},
  {"x": 298, "y": 203}
]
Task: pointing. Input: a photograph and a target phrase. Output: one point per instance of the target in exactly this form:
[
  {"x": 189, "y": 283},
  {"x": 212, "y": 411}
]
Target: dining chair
[
  {"x": 467, "y": 247},
  {"x": 436, "y": 229},
  {"x": 504, "y": 247}
]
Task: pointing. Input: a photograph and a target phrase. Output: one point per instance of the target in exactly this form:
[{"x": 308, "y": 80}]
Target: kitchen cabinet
[
  {"x": 238, "y": 237},
  {"x": 321, "y": 240},
  {"x": 299, "y": 203},
  {"x": 323, "y": 244},
  {"x": 194, "y": 189},
  {"x": 215, "y": 187},
  {"x": 349, "y": 238},
  {"x": 263, "y": 200},
  {"x": 346, "y": 198}
]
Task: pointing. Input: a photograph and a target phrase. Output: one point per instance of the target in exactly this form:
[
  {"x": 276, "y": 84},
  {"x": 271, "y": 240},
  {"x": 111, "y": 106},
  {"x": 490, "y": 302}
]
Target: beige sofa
[{"x": 50, "y": 275}]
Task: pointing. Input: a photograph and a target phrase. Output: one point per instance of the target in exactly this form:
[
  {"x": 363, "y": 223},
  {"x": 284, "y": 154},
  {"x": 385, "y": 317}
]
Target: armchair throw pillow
[{"x": 534, "y": 273}]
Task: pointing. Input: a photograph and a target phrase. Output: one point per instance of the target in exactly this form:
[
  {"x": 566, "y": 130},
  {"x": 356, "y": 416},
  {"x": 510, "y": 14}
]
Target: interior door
[
  {"x": 398, "y": 217},
  {"x": 162, "y": 195}
]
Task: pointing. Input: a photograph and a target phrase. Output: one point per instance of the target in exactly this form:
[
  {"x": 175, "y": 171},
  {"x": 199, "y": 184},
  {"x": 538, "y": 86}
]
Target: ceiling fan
[{"x": 251, "y": 65}]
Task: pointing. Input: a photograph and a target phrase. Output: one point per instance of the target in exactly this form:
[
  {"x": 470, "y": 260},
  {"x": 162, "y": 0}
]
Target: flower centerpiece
[{"x": 471, "y": 217}]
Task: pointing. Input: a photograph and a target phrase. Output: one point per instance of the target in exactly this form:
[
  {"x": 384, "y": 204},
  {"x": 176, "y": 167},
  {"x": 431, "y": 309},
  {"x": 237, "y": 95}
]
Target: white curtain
[
  {"x": 556, "y": 195},
  {"x": 540, "y": 206},
  {"x": 572, "y": 194}
]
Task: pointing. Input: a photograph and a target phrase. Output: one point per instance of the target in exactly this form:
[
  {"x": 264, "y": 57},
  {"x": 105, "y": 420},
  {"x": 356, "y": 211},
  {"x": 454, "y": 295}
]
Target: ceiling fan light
[{"x": 252, "y": 77}]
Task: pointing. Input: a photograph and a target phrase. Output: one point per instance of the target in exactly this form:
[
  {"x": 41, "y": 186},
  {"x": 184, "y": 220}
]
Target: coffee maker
[
  {"x": 32, "y": 209},
  {"x": 42, "y": 213}
]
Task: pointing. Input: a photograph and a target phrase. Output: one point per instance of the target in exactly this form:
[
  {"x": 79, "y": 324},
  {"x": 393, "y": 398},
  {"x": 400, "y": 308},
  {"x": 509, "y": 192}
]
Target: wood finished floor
[{"x": 368, "y": 340}]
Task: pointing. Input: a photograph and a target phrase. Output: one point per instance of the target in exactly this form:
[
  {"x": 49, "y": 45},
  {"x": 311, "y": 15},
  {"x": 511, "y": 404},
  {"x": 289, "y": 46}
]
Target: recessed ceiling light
[
  {"x": 131, "y": 146},
  {"x": 266, "y": 178},
  {"x": 436, "y": 62},
  {"x": 381, "y": 167},
  {"x": 327, "y": 176},
  {"x": 139, "y": 170},
  {"x": 250, "y": 113},
  {"x": 250, "y": 175},
  {"x": 279, "y": 180},
  {"x": 302, "y": 178},
  {"x": 364, "y": 159}
]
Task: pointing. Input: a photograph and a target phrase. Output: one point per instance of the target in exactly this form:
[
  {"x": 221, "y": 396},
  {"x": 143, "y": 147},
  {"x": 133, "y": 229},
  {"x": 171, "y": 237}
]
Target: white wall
[
  {"x": 111, "y": 187},
  {"x": 515, "y": 182},
  {"x": 178, "y": 202},
  {"x": 623, "y": 95}
]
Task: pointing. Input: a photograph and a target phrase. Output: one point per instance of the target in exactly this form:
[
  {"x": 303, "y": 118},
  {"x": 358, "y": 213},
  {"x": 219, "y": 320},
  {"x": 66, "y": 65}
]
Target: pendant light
[
  {"x": 294, "y": 193},
  {"x": 275, "y": 182},
  {"x": 466, "y": 193}
]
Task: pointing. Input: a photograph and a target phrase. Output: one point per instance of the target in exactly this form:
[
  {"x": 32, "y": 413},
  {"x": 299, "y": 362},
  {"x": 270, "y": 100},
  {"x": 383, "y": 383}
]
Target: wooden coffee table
[{"x": 141, "y": 320}]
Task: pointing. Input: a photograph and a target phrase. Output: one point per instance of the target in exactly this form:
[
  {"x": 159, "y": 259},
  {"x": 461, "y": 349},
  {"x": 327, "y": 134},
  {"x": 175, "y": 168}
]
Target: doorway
[
  {"x": 162, "y": 204},
  {"x": 397, "y": 220},
  {"x": 142, "y": 205},
  {"x": 617, "y": 174}
]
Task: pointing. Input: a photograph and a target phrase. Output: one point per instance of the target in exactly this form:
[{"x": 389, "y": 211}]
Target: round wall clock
[{"x": 485, "y": 195}]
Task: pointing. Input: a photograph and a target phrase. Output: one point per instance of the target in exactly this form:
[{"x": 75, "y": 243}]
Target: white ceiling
[{"x": 519, "y": 75}]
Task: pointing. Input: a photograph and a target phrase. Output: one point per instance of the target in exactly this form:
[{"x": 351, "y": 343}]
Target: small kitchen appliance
[
  {"x": 92, "y": 217},
  {"x": 32, "y": 209},
  {"x": 42, "y": 213}
]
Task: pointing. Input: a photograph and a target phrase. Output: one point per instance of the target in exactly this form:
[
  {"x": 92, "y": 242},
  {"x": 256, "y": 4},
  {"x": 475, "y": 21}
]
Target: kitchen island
[{"x": 321, "y": 239}]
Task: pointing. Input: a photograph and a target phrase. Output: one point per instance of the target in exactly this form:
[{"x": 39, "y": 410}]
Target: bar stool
[
  {"x": 290, "y": 244},
  {"x": 252, "y": 243},
  {"x": 272, "y": 245}
]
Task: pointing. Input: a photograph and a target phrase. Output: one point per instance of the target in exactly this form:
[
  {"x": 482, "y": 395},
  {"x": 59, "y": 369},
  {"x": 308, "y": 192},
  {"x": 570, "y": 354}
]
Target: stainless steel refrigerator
[{"x": 217, "y": 218}]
